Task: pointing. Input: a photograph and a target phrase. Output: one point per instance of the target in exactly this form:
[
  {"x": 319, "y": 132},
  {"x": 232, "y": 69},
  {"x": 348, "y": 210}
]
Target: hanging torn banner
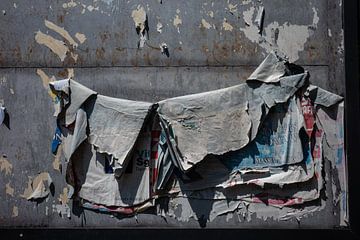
[
  {"x": 280, "y": 143},
  {"x": 226, "y": 126},
  {"x": 312, "y": 110},
  {"x": 253, "y": 143}
]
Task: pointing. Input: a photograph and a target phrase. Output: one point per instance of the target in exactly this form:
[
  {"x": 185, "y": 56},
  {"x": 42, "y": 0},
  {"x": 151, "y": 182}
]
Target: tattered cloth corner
[{"x": 253, "y": 142}]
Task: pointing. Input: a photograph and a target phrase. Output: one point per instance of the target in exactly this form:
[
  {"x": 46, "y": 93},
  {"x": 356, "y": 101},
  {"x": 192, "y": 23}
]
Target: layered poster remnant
[{"x": 254, "y": 148}]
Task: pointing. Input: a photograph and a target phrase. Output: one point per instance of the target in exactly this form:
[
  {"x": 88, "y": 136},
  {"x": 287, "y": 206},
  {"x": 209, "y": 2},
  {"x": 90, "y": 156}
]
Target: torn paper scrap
[
  {"x": 115, "y": 125},
  {"x": 259, "y": 20},
  {"x": 4, "y": 117},
  {"x": 75, "y": 133},
  {"x": 79, "y": 94},
  {"x": 277, "y": 143},
  {"x": 2, "y": 114},
  {"x": 39, "y": 187},
  {"x": 63, "y": 210},
  {"x": 270, "y": 70},
  {"x": 116, "y": 209},
  {"x": 222, "y": 120},
  {"x": 322, "y": 97},
  {"x": 331, "y": 120},
  {"x": 101, "y": 186}
]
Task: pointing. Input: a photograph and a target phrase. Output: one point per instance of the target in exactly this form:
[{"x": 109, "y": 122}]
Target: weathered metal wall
[{"x": 212, "y": 44}]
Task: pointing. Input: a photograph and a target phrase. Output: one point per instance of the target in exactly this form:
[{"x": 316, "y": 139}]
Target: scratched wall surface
[{"x": 211, "y": 44}]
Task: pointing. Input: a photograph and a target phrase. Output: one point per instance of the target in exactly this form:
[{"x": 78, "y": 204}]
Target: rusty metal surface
[{"x": 109, "y": 62}]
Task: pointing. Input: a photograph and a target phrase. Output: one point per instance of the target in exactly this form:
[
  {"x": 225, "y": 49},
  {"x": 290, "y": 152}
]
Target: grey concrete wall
[{"x": 200, "y": 59}]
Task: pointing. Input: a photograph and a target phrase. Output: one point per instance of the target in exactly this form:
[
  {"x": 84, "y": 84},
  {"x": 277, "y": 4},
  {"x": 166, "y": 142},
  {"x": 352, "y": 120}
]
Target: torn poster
[
  {"x": 258, "y": 142},
  {"x": 278, "y": 144},
  {"x": 56, "y": 141},
  {"x": 203, "y": 127}
]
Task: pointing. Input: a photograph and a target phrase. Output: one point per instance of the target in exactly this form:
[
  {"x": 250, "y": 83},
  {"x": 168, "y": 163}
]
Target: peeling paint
[
  {"x": 177, "y": 20},
  {"x": 290, "y": 40},
  {"x": 57, "y": 162},
  {"x": 159, "y": 27},
  {"x": 63, "y": 198},
  {"x": 65, "y": 34},
  {"x": 15, "y": 211},
  {"x": 70, "y": 4},
  {"x": 38, "y": 188},
  {"x": 56, "y": 46},
  {"x": 5, "y": 165},
  {"x": 205, "y": 24},
  {"x": 227, "y": 26},
  {"x": 71, "y": 73},
  {"x": 62, "y": 210},
  {"x": 3, "y": 80},
  {"x": 12, "y": 91},
  {"x": 315, "y": 18},
  {"x": 329, "y": 32},
  {"x": 211, "y": 14},
  {"x": 80, "y": 37},
  {"x": 9, "y": 190},
  {"x": 139, "y": 17},
  {"x": 232, "y": 8},
  {"x": 340, "y": 48},
  {"x": 90, "y": 8},
  {"x": 140, "y": 20},
  {"x": 45, "y": 81}
]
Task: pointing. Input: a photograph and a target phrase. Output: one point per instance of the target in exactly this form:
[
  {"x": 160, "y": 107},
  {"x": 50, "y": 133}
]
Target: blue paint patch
[{"x": 56, "y": 140}]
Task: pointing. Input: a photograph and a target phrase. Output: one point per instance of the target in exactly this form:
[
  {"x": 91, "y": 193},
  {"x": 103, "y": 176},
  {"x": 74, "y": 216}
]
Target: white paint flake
[{"x": 291, "y": 37}]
